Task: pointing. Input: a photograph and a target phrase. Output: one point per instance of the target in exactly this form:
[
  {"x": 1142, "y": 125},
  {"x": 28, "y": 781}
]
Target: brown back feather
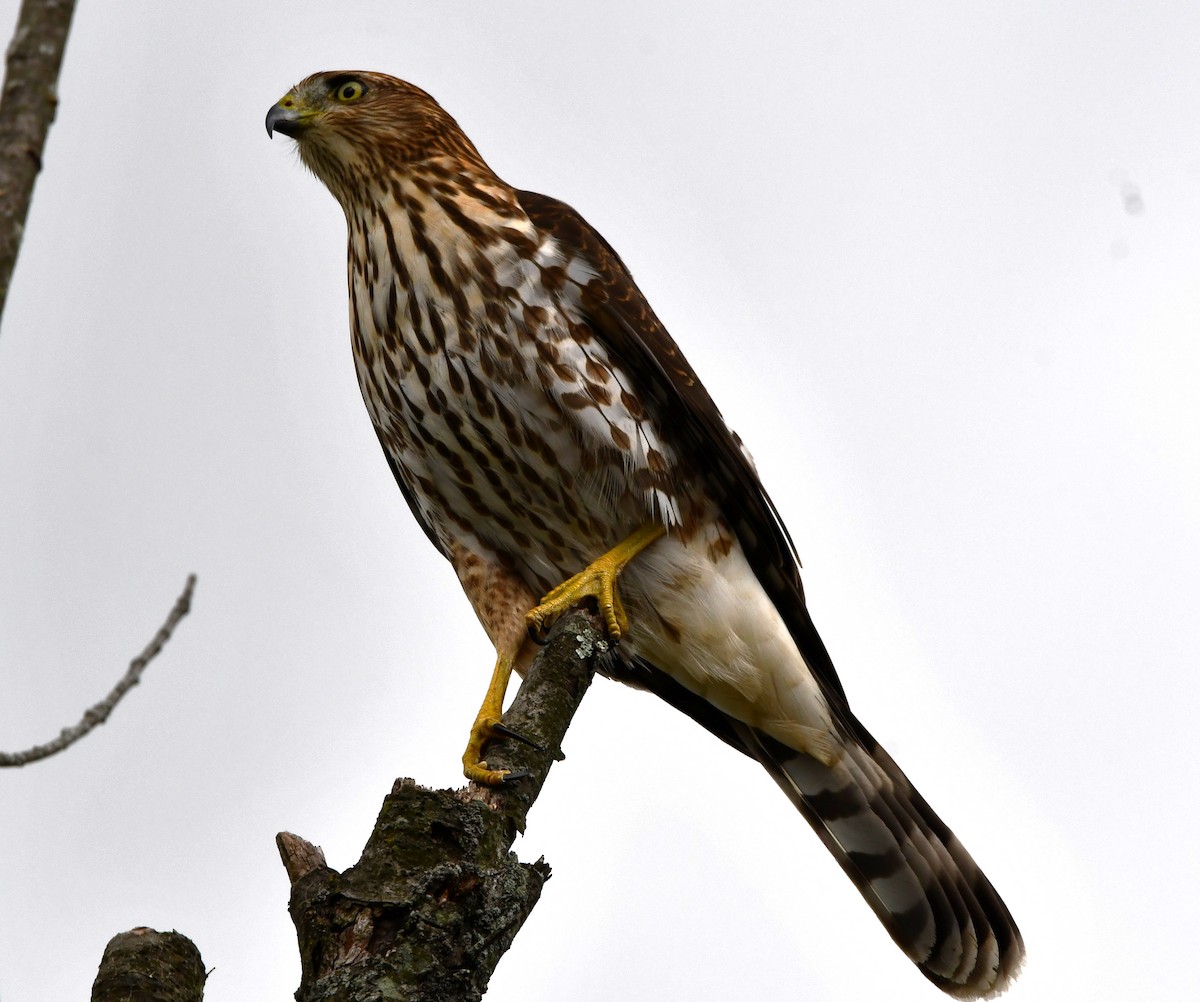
[{"x": 622, "y": 318}]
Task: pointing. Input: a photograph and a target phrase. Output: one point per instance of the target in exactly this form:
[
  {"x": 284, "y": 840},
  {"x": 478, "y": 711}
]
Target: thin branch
[
  {"x": 99, "y": 713},
  {"x": 27, "y": 107}
]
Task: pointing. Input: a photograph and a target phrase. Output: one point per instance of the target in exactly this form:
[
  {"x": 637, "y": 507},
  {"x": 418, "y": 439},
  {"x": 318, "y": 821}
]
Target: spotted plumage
[{"x": 536, "y": 414}]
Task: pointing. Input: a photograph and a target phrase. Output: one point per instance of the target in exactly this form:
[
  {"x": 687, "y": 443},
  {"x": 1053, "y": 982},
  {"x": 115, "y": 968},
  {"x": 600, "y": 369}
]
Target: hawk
[{"x": 550, "y": 438}]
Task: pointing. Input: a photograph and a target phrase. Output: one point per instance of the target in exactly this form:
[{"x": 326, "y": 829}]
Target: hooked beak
[{"x": 288, "y": 118}]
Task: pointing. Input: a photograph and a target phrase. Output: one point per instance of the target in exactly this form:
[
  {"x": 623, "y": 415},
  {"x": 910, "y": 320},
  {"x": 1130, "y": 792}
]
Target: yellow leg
[
  {"x": 474, "y": 766},
  {"x": 599, "y": 581}
]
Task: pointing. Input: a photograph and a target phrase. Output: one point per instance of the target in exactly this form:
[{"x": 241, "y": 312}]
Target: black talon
[
  {"x": 508, "y": 732},
  {"x": 512, "y": 777}
]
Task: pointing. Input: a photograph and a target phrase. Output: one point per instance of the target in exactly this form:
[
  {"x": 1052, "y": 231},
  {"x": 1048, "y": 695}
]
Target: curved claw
[
  {"x": 481, "y": 775},
  {"x": 504, "y": 730},
  {"x": 475, "y": 767}
]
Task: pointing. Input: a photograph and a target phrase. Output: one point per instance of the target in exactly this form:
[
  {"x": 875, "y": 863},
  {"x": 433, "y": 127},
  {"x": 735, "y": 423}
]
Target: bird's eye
[{"x": 348, "y": 92}]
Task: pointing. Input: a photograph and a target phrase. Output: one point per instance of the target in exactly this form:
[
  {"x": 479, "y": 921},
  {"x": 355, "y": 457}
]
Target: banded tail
[{"x": 922, "y": 884}]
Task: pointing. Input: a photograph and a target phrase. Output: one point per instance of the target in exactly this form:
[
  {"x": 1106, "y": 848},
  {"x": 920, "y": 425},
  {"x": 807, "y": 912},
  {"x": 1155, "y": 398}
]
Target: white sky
[{"x": 896, "y": 243}]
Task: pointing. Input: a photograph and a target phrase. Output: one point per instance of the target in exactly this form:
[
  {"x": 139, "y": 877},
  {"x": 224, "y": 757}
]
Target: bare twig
[
  {"x": 27, "y": 108},
  {"x": 99, "y": 713}
]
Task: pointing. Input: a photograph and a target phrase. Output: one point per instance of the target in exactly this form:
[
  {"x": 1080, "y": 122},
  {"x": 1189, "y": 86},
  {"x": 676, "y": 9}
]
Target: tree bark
[
  {"x": 147, "y": 966},
  {"x": 27, "y": 108},
  {"x": 437, "y": 897}
]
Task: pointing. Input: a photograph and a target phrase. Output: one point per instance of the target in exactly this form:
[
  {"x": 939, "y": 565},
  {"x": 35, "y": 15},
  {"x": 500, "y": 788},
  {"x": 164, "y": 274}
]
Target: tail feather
[
  {"x": 994, "y": 941},
  {"x": 916, "y": 876},
  {"x": 923, "y": 885},
  {"x": 949, "y": 938}
]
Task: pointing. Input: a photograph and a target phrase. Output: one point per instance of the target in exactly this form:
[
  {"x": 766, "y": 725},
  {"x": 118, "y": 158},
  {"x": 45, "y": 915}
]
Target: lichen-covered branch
[
  {"x": 438, "y": 895},
  {"x": 147, "y": 966},
  {"x": 27, "y": 107},
  {"x": 97, "y": 714}
]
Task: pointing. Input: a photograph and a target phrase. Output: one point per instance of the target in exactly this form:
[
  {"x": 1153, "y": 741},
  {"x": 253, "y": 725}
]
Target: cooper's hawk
[{"x": 548, "y": 435}]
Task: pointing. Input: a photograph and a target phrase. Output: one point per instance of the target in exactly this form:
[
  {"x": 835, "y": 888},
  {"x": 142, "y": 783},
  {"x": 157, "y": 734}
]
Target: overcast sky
[{"x": 939, "y": 265}]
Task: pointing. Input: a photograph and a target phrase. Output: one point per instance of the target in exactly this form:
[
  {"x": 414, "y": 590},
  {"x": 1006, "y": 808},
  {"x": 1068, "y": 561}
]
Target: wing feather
[{"x": 621, "y": 317}]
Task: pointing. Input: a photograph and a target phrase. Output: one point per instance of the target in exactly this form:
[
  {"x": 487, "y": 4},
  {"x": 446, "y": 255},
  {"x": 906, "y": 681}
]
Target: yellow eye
[{"x": 348, "y": 92}]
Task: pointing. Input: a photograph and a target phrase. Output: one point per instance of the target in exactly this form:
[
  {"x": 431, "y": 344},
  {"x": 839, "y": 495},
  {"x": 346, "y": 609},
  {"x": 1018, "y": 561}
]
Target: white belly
[{"x": 709, "y": 625}]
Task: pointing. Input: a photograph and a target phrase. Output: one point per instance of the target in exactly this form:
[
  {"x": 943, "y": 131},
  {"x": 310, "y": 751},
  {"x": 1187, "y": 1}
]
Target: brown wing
[{"x": 622, "y": 318}]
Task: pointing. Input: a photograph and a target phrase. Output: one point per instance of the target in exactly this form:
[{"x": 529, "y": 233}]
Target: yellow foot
[
  {"x": 598, "y": 581},
  {"x": 592, "y": 582},
  {"x": 475, "y": 767}
]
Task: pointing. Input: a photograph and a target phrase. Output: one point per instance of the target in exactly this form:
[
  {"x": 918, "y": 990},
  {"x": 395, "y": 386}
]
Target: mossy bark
[
  {"x": 147, "y": 966},
  {"x": 438, "y": 895}
]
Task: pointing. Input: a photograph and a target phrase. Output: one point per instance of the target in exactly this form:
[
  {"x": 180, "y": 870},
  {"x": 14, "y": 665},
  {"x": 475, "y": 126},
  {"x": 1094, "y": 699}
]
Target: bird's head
[{"x": 353, "y": 127}]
